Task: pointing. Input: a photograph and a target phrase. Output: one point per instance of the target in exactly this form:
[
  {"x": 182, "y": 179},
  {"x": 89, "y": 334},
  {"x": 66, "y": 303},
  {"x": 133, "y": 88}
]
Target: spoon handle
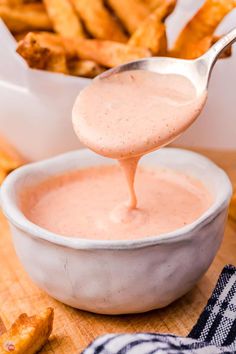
[{"x": 214, "y": 52}]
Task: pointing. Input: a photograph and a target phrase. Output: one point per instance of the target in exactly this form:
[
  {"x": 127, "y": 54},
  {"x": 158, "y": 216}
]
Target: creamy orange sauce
[
  {"x": 132, "y": 113},
  {"x": 88, "y": 203}
]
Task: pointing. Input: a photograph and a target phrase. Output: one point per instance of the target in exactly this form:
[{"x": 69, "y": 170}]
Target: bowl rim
[{"x": 18, "y": 219}]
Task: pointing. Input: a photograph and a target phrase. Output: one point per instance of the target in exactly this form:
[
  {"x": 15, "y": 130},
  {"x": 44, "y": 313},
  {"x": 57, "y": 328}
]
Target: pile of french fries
[{"x": 85, "y": 37}]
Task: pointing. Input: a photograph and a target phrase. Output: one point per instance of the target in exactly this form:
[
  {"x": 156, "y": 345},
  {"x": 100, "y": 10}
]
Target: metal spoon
[{"x": 198, "y": 71}]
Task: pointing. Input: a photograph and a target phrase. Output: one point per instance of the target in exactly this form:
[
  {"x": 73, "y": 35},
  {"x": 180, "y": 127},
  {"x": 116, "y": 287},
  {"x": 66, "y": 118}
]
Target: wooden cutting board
[{"x": 74, "y": 329}]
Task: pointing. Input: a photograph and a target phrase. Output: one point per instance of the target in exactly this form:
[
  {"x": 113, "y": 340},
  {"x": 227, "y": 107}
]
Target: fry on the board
[{"x": 28, "y": 334}]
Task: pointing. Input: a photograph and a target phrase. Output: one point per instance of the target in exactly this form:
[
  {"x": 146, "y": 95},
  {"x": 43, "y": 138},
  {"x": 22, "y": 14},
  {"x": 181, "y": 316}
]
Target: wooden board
[{"x": 74, "y": 329}]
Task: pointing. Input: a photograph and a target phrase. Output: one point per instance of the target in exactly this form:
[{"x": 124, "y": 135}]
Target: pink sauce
[
  {"x": 124, "y": 117},
  {"x": 132, "y": 113},
  {"x": 87, "y": 203}
]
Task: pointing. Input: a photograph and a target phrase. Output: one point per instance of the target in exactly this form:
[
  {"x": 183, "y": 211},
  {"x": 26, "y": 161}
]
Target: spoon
[{"x": 198, "y": 71}]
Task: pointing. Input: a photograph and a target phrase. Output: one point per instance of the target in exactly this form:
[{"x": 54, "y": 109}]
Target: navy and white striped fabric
[{"x": 214, "y": 332}]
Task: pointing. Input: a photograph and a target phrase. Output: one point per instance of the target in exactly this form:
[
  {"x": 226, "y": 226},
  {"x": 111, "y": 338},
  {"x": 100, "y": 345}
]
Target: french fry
[
  {"x": 52, "y": 56},
  {"x": 197, "y": 36},
  {"x": 36, "y": 55},
  {"x": 25, "y": 17},
  {"x": 64, "y": 19},
  {"x": 151, "y": 33},
  {"x": 105, "y": 53},
  {"x": 28, "y": 334},
  {"x": 131, "y": 12},
  {"x": 98, "y": 20},
  {"x": 40, "y": 55},
  {"x": 85, "y": 68},
  {"x": 202, "y": 47}
]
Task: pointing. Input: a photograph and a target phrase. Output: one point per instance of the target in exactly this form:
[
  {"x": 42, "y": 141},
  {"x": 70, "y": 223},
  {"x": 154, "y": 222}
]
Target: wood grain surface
[{"x": 74, "y": 329}]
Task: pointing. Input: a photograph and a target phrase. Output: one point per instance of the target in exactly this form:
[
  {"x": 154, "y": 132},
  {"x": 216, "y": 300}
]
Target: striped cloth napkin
[{"x": 214, "y": 332}]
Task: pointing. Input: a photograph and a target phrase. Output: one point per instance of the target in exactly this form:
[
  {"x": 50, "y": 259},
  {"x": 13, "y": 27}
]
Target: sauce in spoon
[{"x": 129, "y": 114}]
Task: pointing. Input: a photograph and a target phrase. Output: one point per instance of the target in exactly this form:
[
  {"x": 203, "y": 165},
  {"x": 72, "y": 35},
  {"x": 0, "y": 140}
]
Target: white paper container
[{"x": 35, "y": 106}]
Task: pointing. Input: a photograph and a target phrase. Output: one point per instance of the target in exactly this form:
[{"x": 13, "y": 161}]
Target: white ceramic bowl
[{"x": 114, "y": 277}]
